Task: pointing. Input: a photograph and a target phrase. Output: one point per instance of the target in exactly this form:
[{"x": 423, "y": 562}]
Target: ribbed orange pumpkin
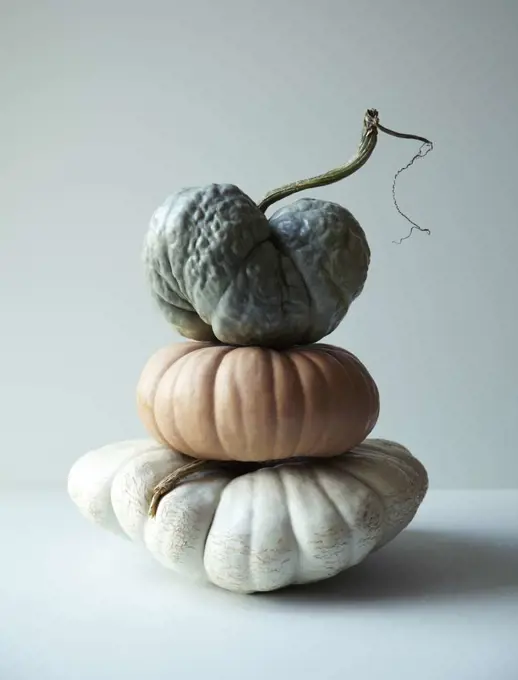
[{"x": 220, "y": 402}]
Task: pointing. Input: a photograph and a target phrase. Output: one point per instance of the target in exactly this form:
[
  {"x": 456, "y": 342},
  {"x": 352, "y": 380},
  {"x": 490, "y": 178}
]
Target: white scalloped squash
[{"x": 288, "y": 523}]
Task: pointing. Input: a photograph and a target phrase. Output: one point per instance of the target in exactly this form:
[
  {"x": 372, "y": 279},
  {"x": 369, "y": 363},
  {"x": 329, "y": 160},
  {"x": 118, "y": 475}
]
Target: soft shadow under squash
[{"x": 419, "y": 564}]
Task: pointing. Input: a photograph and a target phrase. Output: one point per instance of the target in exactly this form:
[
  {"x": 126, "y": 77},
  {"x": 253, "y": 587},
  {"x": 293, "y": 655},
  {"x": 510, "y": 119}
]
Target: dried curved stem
[
  {"x": 369, "y": 138},
  {"x": 367, "y": 146},
  {"x": 172, "y": 480},
  {"x": 235, "y": 467},
  {"x": 402, "y": 135}
]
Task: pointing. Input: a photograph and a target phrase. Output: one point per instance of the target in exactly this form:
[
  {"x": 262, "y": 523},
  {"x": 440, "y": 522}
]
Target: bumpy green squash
[{"x": 221, "y": 270}]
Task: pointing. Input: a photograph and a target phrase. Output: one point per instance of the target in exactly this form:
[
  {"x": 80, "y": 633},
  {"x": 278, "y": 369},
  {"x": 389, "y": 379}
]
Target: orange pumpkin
[{"x": 221, "y": 402}]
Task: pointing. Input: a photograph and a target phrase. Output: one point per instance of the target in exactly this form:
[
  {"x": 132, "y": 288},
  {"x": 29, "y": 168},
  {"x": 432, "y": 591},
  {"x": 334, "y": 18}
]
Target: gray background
[{"x": 108, "y": 107}]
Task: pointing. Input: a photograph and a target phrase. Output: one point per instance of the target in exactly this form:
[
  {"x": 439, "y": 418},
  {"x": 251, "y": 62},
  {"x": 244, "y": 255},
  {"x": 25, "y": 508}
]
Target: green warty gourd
[{"x": 219, "y": 269}]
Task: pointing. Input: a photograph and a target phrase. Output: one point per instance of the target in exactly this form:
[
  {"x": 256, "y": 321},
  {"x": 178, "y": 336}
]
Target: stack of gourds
[{"x": 258, "y": 474}]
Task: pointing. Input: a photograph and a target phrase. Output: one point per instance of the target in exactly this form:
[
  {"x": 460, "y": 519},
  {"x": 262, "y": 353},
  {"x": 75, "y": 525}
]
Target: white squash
[{"x": 286, "y": 523}]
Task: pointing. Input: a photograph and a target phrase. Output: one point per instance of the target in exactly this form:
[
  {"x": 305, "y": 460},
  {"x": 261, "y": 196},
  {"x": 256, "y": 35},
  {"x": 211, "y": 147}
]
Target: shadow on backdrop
[{"x": 418, "y": 565}]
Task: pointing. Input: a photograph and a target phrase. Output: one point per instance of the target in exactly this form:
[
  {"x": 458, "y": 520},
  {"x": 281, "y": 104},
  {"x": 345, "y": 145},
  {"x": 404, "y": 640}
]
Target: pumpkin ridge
[
  {"x": 134, "y": 485},
  {"x": 372, "y": 390},
  {"x": 345, "y": 521},
  {"x": 361, "y": 373},
  {"x": 338, "y": 463},
  {"x": 238, "y": 400},
  {"x": 275, "y": 403},
  {"x": 175, "y": 370},
  {"x": 149, "y": 402},
  {"x": 323, "y": 377},
  {"x": 153, "y": 409},
  {"x": 218, "y": 361},
  {"x": 304, "y": 357},
  {"x": 409, "y": 489},
  {"x": 282, "y": 472},
  {"x": 340, "y": 354},
  {"x": 403, "y": 466},
  {"x": 216, "y": 354},
  {"x": 272, "y": 417},
  {"x": 406, "y": 466},
  {"x": 353, "y": 407},
  {"x": 315, "y": 474},
  {"x": 290, "y": 361},
  {"x": 252, "y": 531},
  {"x": 373, "y": 400},
  {"x": 397, "y": 452},
  {"x": 221, "y": 491},
  {"x": 246, "y": 357},
  {"x": 381, "y": 499},
  {"x": 269, "y": 476}
]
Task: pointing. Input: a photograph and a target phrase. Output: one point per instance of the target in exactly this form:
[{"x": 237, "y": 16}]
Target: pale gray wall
[{"x": 107, "y": 107}]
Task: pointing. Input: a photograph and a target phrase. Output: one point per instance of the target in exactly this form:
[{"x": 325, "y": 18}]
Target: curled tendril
[
  {"x": 369, "y": 138},
  {"x": 424, "y": 149}
]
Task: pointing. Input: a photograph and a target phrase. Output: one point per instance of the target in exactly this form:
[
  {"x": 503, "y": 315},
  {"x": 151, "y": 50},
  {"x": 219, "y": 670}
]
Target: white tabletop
[{"x": 439, "y": 603}]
